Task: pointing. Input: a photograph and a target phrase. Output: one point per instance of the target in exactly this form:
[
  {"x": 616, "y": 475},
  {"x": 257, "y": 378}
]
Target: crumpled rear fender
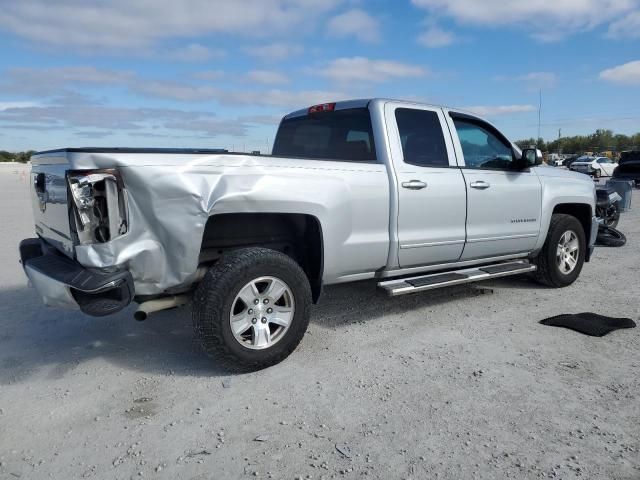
[{"x": 169, "y": 206}]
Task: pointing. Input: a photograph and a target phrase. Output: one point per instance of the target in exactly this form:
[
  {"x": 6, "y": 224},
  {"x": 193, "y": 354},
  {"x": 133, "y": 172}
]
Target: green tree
[
  {"x": 601, "y": 140},
  {"x": 24, "y": 157}
]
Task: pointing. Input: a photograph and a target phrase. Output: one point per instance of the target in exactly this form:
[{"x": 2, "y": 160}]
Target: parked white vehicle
[
  {"x": 595, "y": 166},
  {"x": 555, "y": 159}
]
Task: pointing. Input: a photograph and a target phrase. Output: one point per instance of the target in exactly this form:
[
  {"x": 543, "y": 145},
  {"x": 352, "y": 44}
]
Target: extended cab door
[
  {"x": 431, "y": 189},
  {"x": 503, "y": 203}
]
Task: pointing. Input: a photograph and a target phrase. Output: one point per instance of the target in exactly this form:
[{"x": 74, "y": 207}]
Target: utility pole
[
  {"x": 539, "y": 115},
  {"x": 559, "y": 142}
]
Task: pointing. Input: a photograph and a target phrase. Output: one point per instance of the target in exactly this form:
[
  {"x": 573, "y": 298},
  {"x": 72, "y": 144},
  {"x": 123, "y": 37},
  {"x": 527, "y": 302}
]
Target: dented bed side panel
[{"x": 171, "y": 196}]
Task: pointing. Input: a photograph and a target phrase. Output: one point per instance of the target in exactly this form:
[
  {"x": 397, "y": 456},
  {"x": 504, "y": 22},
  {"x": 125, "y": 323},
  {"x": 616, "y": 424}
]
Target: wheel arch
[
  {"x": 297, "y": 235},
  {"x": 581, "y": 211}
]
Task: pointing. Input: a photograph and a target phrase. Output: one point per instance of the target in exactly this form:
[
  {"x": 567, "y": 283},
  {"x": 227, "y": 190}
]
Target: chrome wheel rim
[
  {"x": 262, "y": 312},
  {"x": 567, "y": 253}
]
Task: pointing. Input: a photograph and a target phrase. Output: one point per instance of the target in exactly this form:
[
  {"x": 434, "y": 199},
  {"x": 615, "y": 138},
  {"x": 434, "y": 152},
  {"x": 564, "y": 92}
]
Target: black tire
[
  {"x": 214, "y": 298},
  {"x": 610, "y": 237},
  {"x": 548, "y": 272}
]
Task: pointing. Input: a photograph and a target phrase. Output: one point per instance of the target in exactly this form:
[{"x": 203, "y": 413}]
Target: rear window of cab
[{"x": 344, "y": 135}]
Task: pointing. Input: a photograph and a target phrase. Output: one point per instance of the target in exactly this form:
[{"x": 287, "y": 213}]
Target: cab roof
[{"x": 365, "y": 102}]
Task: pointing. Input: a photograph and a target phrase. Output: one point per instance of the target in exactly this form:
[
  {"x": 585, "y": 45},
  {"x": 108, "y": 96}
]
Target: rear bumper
[
  {"x": 592, "y": 238},
  {"x": 64, "y": 283}
]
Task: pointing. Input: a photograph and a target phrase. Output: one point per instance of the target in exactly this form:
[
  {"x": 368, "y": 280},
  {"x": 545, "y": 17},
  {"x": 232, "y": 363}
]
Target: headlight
[{"x": 99, "y": 208}]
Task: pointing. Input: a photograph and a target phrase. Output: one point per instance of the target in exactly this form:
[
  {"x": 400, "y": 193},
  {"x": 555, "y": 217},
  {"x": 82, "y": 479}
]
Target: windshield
[{"x": 338, "y": 135}]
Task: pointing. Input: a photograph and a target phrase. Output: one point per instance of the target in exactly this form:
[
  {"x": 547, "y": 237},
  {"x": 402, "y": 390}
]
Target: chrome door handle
[
  {"x": 414, "y": 185},
  {"x": 480, "y": 185}
]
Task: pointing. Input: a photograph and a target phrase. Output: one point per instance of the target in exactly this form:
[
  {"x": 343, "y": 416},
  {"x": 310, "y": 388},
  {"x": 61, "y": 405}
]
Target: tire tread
[
  {"x": 212, "y": 294},
  {"x": 545, "y": 271}
]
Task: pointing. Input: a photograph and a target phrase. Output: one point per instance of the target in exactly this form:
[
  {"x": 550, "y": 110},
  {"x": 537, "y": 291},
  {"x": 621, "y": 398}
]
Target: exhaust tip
[{"x": 140, "y": 315}]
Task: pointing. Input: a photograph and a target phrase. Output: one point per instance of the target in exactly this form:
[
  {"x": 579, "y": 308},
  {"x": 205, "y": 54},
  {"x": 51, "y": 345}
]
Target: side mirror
[{"x": 531, "y": 157}]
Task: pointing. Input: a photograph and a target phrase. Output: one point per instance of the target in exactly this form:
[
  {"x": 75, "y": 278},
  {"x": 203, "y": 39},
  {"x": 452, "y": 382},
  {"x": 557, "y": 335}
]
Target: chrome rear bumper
[{"x": 64, "y": 283}]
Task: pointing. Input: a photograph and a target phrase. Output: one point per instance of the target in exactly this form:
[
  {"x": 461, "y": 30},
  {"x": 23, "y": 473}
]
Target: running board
[{"x": 403, "y": 286}]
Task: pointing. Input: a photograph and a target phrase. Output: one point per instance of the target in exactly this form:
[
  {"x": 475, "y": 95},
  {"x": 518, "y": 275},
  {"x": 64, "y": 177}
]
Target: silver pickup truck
[{"x": 415, "y": 196}]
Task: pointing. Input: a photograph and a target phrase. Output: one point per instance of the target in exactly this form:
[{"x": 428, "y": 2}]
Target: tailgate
[{"x": 49, "y": 200}]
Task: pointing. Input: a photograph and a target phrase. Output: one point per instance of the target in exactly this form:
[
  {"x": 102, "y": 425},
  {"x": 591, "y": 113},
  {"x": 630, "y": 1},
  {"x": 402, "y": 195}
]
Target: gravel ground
[{"x": 457, "y": 383}]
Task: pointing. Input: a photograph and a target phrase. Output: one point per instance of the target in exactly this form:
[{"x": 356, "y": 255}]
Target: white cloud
[
  {"x": 210, "y": 126},
  {"x": 122, "y": 26},
  {"x": 103, "y": 119},
  {"x": 194, "y": 52},
  {"x": 209, "y": 75},
  {"x": 355, "y": 23},
  {"x": 626, "y": 27},
  {"x": 184, "y": 92},
  {"x": 533, "y": 81},
  {"x": 545, "y": 20},
  {"x": 435, "y": 37},
  {"x": 262, "y": 119},
  {"x": 266, "y": 77},
  {"x": 62, "y": 83},
  {"x": 626, "y": 74},
  {"x": 49, "y": 81},
  {"x": 8, "y": 105},
  {"x": 285, "y": 99},
  {"x": 274, "y": 52},
  {"x": 538, "y": 80},
  {"x": 496, "y": 110},
  {"x": 361, "y": 69}
]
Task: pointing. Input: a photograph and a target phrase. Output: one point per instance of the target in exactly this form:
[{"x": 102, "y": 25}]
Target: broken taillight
[{"x": 99, "y": 206}]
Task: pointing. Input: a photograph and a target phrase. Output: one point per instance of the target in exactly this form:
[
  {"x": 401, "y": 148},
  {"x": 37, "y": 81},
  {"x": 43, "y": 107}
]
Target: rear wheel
[
  {"x": 561, "y": 259},
  {"x": 252, "y": 308}
]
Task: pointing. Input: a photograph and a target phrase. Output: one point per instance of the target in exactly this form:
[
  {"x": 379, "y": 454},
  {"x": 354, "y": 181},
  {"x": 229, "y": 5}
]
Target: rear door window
[
  {"x": 344, "y": 135},
  {"x": 421, "y": 137}
]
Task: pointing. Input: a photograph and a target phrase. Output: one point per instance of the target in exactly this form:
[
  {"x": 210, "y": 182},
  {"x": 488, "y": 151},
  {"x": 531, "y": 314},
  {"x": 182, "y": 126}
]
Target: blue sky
[{"x": 211, "y": 73}]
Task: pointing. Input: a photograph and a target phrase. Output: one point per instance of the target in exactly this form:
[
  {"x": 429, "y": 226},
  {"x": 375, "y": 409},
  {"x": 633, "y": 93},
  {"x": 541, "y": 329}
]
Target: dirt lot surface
[{"x": 454, "y": 384}]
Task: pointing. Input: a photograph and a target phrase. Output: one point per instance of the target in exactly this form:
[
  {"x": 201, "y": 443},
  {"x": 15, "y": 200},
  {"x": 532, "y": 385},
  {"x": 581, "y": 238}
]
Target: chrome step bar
[{"x": 402, "y": 286}]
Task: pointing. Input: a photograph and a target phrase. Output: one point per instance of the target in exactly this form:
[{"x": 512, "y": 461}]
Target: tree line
[
  {"x": 601, "y": 140},
  {"x": 22, "y": 157}
]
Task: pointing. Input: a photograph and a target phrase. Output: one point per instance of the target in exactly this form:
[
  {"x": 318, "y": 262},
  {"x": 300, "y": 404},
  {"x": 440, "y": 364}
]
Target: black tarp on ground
[{"x": 589, "y": 323}]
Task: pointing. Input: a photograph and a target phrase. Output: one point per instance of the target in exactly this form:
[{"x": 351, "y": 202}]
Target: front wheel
[
  {"x": 560, "y": 261},
  {"x": 252, "y": 308}
]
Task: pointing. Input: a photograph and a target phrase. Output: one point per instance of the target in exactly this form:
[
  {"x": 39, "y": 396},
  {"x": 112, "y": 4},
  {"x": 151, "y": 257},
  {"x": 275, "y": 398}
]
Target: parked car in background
[
  {"x": 569, "y": 160},
  {"x": 555, "y": 159},
  {"x": 629, "y": 167},
  {"x": 594, "y": 166}
]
